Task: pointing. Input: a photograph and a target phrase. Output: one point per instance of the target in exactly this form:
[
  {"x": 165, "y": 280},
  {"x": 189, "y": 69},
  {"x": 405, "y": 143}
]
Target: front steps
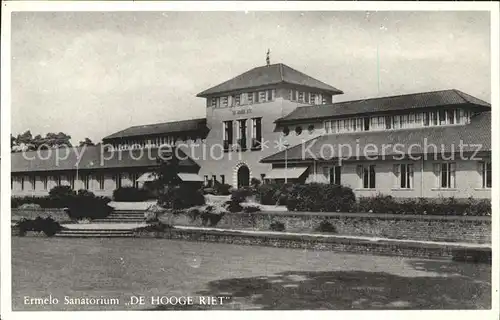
[
  {"x": 123, "y": 217},
  {"x": 95, "y": 233}
]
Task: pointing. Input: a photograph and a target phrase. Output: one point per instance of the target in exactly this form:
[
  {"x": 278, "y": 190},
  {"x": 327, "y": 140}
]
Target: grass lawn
[{"x": 254, "y": 277}]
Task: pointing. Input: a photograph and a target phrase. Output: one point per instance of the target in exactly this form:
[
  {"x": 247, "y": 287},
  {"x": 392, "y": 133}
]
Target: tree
[
  {"x": 26, "y": 141},
  {"x": 86, "y": 142}
]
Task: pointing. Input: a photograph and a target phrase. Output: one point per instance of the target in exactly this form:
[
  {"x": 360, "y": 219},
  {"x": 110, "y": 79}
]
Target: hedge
[
  {"x": 132, "y": 194},
  {"x": 181, "y": 197},
  {"x": 81, "y": 204},
  {"x": 425, "y": 206},
  {"x": 320, "y": 197}
]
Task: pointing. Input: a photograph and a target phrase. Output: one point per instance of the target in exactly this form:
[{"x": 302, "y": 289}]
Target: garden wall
[
  {"x": 470, "y": 229},
  {"x": 57, "y": 214}
]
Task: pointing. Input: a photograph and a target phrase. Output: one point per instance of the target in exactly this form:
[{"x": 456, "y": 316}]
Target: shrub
[
  {"x": 211, "y": 215},
  {"x": 320, "y": 197},
  {"x": 273, "y": 193},
  {"x": 193, "y": 213},
  {"x": 61, "y": 192},
  {"x": 237, "y": 197},
  {"x": 158, "y": 226},
  {"x": 222, "y": 189},
  {"x": 131, "y": 194},
  {"x": 255, "y": 183},
  {"x": 250, "y": 209},
  {"x": 45, "y": 225},
  {"x": 326, "y": 226},
  {"x": 277, "y": 226},
  {"x": 87, "y": 205},
  {"x": 441, "y": 206},
  {"x": 181, "y": 197}
]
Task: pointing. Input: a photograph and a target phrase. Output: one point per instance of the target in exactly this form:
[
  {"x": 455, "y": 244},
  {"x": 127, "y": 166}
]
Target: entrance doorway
[{"x": 243, "y": 176}]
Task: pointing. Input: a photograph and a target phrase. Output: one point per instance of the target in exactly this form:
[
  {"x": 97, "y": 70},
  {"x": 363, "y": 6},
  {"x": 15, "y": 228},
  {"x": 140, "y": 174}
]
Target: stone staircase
[{"x": 123, "y": 216}]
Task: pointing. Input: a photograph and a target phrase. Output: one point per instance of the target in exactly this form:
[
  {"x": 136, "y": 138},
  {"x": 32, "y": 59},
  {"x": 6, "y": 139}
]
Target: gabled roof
[
  {"x": 162, "y": 128},
  {"x": 269, "y": 75},
  {"x": 91, "y": 158},
  {"x": 415, "y": 141},
  {"x": 385, "y": 104}
]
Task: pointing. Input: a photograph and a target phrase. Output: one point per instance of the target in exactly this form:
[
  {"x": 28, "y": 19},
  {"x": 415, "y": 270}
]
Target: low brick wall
[
  {"x": 327, "y": 244},
  {"x": 57, "y": 214},
  {"x": 430, "y": 228}
]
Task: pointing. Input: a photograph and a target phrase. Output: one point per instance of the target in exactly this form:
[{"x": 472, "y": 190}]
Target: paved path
[{"x": 104, "y": 226}]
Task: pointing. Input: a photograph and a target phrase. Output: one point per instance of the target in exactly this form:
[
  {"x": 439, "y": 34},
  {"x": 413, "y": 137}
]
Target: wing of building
[{"x": 275, "y": 123}]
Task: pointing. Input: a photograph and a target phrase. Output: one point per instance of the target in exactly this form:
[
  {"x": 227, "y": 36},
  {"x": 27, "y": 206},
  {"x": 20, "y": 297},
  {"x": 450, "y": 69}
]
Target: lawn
[{"x": 253, "y": 277}]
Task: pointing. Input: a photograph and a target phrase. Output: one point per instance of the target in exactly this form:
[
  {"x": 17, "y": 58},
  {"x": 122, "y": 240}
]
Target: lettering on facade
[{"x": 242, "y": 111}]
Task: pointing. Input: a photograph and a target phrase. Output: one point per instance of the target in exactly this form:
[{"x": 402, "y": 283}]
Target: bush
[
  {"x": 86, "y": 205},
  {"x": 318, "y": 197},
  {"x": 222, "y": 189},
  {"x": 251, "y": 209},
  {"x": 158, "y": 226},
  {"x": 442, "y": 206},
  {"x": 240, "y": 195},
  {"x": 273, "y": 193},
  {"x": 61, "y": 192},
  {"x": 277, "y": 226},
  {"x": 131, "y": 194},
  {"x": 255, "y": 183},
  {"x": 326, "y": 226},
  {"x": 45, "y": 225},
  {"x": 181, "y": 197},
  {"x": 211, "y": 216}
]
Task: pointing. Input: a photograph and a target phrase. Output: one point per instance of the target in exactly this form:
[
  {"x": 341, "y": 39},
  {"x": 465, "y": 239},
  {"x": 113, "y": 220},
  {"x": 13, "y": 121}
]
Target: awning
[
  {"x": 147, "y": 177},
  {"x": 192, "y": 177},
  {"x": 289, "y": 173}
]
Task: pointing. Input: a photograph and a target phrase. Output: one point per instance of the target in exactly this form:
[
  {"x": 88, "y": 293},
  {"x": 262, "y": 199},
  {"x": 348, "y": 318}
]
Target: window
[
  {"x": 224, "y": 101},
  {"x": 58, "y": 180},
  {"x": 242, "y": 134},
  {"x": 332, "y": 174},
  {"x": 72, "y": 181},
  {"x": 214, "y": 179},
  {"x": 86, "y": 182},
  {"x": 388, "y": 122},
  {"x": 33, "y": 182},
  {"x": 298, "y": 130},
  {"x": 377, "y": 123},
  {"x": 312, "y": 99},
  {"x": 328, "y": 126},
  {"x": 310, "y": 128},
  {"x": 256, "y": 97},
  {"x": 228, "y": 135},
  {"x": 485, "y": 171},
  {"x": 100, "y": 179},
  {"x": 445, "y": 175},
  {"x": 323, "y": 99},
  {"x": 367, "y": 175},
  {"x": 118, "y": 180},
  {"x": 256, "y": 133},
  {"x": 22, "y": 183},
  {"x": 301, "y": 96},
  {"x": 237, "y": 100},
  {"x": 286, "y": 131},
  {"x": 366, "y": 124},
  {"x": 450, "y": 116},
  {"x": 222, "y": 179},
  {"x": 442, "y": 117},
  {"x": 262, "y": 96},
  {"x": 404, "y": 176},
  {"x": 270, "y": 95},
  {"x": 250, "y": 97},
  {"x": 213, "y": 102},
  {"x": 205, "y": 177},
  {"x": 45, "y": 182}
]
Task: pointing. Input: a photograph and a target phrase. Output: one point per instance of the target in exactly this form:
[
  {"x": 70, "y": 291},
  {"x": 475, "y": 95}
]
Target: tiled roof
[
  {"x": 413, "y": 141},
  {"x": 385, "y": 104},
  {"x": 269, "y": 75},
  {"x": 161, "y": 128},
  {"x": 92, "y": 157}
]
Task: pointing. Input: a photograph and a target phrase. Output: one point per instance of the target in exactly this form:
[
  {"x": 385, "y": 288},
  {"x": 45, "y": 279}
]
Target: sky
[{"x": 90, "y": 74}]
